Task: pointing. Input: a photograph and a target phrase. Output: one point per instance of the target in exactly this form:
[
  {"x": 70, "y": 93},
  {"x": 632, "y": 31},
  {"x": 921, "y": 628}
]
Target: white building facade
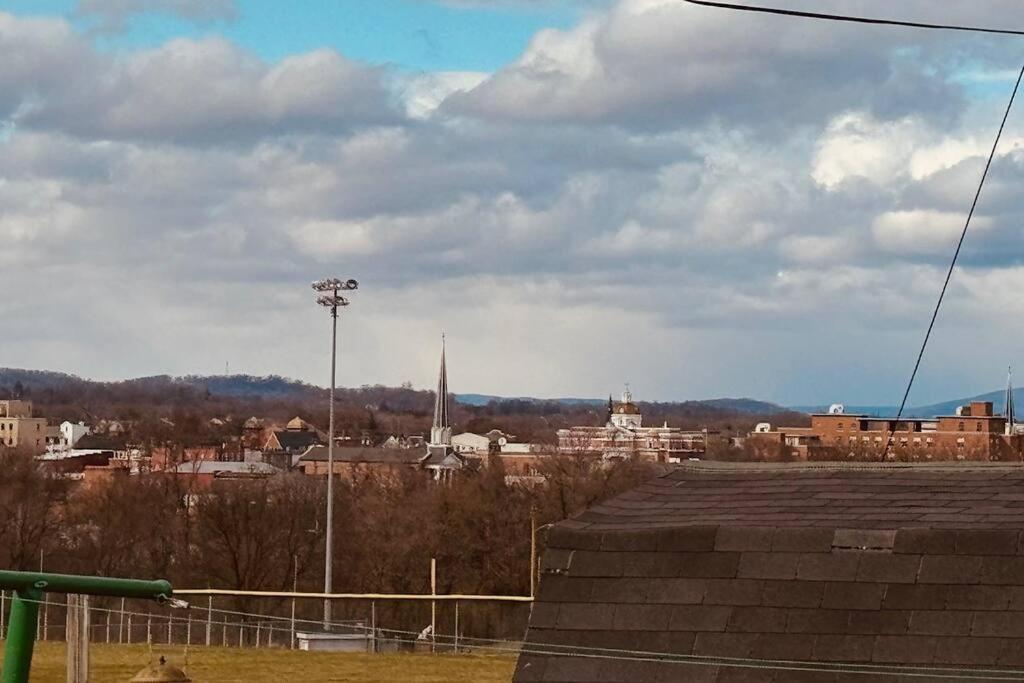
[{"x": 624, "y": 436}]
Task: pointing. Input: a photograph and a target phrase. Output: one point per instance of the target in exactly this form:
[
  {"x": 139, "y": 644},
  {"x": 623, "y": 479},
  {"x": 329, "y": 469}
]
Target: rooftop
[
  {"x": 349, "y": 454},
  {"x": 216, "y": 468},
  {"x": 837, "y": 495}
]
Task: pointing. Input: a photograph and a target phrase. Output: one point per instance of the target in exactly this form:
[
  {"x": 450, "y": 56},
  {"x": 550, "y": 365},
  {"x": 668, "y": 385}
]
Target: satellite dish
[
  {"x": 502, "y": 441},
  {"x": 836, "y": 409},
  {"x": 959, "y": 411},
  {"x": 763, "y": 428}
]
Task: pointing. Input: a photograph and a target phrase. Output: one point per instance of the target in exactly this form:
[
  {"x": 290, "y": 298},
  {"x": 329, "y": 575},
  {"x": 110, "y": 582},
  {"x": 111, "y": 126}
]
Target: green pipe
[
  {"x": 28, "y": 590},
  {"x": 86, "y": 585},
  {"x": 21, "y": 634}
]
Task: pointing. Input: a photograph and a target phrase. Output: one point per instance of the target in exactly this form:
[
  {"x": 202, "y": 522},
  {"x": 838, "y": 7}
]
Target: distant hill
[
  {"x": 42, "y": 383},
  {"x": 998, "y": 399},
  {"x": 271, "y": 386},
  {"x": 733, "y": 405}
]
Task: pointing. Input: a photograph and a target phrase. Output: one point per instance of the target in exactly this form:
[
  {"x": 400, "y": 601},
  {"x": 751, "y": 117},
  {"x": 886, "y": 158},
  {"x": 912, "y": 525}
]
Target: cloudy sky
[{"x": 581, "y": 193}]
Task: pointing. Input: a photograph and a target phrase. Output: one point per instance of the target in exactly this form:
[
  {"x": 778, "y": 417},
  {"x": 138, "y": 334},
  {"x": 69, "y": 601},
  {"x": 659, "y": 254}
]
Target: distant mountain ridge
[
  {"x": 277, "y": 387},
  {"x": 998, "y": 399}
]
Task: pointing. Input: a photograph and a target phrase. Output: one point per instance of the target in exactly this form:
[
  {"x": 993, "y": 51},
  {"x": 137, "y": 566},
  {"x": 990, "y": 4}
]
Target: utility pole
[{"x": 331, "y": 300}]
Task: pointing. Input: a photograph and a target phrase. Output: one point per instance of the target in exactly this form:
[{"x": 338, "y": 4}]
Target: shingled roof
[
  {"x": 705, "y": 573},
  {"x": 862, "y": 496}
]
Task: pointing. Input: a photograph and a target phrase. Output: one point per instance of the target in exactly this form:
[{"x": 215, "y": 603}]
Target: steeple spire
[
  {"x": 441, "y": 430},
  {"x": 1008, "y": 410}
]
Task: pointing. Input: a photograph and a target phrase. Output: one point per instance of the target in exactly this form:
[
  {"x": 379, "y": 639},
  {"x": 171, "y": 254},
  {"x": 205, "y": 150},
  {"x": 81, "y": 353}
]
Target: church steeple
[{"x": 441, "y": 430}]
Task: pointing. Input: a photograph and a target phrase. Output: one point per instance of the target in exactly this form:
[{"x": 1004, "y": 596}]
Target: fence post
[
  {"x": 533, "y": 552},
  {"x": 209, "y": 619},
  {"x": 129, "y": 629},
  {"x": 170, "y": 627},
  {"x": 120, "y": 624},
  {"x": 108, "y": 627},
  {"x": 224, "y": 632},
  {"x": 433, "y": 604},
  {"x": 373, "y": 626},
  {"x": 456, "y": 645},
  {"x": 258, "y": 624},
  {"x": 188, "y": 630},
  {"x": 149, "y": 627},
  {"x": 77, "y": 636}
]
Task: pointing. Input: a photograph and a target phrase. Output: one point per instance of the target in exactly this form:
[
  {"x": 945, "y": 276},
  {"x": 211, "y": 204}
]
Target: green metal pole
[{"x": 21, "y": 635}]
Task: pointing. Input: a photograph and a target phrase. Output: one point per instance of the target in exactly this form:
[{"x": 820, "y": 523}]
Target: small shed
[{"x": 788, "y": 572}]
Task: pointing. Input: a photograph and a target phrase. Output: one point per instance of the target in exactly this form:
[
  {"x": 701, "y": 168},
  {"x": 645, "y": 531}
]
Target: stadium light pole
[{"x": 331, "y": 300}]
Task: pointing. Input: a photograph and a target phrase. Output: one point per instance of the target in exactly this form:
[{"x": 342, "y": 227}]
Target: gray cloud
[
  {"x": 658, "y": 219},
  {"x": 189, "y": 91},
  {"x": 113, "y": 15}
]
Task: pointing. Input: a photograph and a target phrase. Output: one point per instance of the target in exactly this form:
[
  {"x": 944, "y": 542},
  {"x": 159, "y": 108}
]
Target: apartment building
[{"x": 18, "y": 429}]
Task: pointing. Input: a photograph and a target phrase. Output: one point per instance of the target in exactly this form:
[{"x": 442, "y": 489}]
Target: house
[
  {"x": 754, "y": 571},
  {"x": 71, "y": 432},
  {"x": 295, "y": 438},
  {"x": 350, "y": 462},
  {"x": 625, "y": 436}
]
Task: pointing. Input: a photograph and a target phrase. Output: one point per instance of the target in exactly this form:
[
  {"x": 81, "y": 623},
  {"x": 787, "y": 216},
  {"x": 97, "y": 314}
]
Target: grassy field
[{"x": 121, "y": 662}]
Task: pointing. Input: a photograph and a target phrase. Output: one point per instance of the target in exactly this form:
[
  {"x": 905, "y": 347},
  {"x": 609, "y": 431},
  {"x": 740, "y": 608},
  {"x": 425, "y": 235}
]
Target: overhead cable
[{"x": 853, "y": 19}]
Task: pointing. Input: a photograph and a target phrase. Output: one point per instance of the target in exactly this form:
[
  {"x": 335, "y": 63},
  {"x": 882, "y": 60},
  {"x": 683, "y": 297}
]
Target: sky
[{"x": 578, "y": 193}]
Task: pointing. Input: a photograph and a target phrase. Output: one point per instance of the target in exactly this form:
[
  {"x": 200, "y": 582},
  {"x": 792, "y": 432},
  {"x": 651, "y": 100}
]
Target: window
[
  {"x": 977, "y": 427},
  {"x": 960, "y": 427},
  {"x": 839, "y": 427}
]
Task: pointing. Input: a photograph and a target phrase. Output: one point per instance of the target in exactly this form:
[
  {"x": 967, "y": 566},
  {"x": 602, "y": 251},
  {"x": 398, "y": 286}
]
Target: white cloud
[
  {"x": 922, "y": 231},
  {"x": 757, "y": 202}
]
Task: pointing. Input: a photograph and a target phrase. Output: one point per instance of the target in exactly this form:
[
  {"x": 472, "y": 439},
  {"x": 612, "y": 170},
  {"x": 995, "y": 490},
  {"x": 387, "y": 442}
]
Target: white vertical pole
[
  {"x": 209, "y": 619},
  {"x": 295, "y": 589},
  {"x": 433, "y": 603},
  {"x": 373, "y": 625},
  {"x": 129, "y": 629},
  {"x": 456, "y": 646},
  {"x": 120, "y": 624}
]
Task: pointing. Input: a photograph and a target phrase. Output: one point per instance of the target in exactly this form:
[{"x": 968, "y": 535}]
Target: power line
[
  {"x": 852, "y": 19},
  {"x": 988, "y": 163},
  {"x": 952, "y": 263}
]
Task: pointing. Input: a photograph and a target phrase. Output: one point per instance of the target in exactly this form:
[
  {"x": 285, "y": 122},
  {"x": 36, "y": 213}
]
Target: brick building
[
  {"x": 834, "y": 568},
  {"x": 975, "y": 433},
  {"x": 355, "y": 462},
  {"x": 625, "y": 436}
]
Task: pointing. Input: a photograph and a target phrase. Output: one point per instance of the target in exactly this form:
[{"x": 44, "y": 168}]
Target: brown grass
[{"x": 121, "y": 662}]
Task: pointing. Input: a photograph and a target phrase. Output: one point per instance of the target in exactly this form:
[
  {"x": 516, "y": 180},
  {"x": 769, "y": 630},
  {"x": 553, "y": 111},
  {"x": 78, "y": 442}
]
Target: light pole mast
[{"x": 331, "y": 300}]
